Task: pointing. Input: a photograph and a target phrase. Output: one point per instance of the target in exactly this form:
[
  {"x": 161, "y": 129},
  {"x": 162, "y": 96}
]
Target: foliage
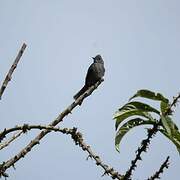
[{"x": 137, "y": 113}]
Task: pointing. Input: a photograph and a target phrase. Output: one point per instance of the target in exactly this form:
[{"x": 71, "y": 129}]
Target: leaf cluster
[{"x": 137, "y": 113}]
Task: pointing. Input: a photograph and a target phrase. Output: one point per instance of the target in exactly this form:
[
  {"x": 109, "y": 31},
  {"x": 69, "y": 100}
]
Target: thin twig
[
  {"x": 169, "y": 111},
  {"x": 24, "y": 128},
  {"x": 11, "y": 70},
  {"x": 78, "y": 139},
  {"x": 59, "y": 119},
  {"x": 161, "y": 169},
  {"x": 5, "y": 144}
]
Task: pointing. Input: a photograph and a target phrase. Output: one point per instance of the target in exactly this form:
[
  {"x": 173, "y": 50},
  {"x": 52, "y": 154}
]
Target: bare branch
[
  {"x": 161, "y": 169},
  {"x": 5, "y": 144},
  {"x": 78, "y": 139},
  {"x": 11, "y": 70},
  {"x": 59, "y": 119}
]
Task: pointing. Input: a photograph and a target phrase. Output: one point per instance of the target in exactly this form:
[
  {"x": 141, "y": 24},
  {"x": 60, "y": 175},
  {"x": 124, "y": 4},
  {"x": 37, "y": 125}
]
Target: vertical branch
[{"x": 11, "y": 70}]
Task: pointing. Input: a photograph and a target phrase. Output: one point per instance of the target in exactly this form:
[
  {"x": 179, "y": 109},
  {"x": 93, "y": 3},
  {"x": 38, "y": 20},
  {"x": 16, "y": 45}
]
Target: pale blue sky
[{"x": 139, "y": 41}]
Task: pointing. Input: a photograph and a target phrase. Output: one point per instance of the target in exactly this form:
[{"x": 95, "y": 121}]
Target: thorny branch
[
  {"x": 161, "y": 169},
  {"x": 145, "y": 143},
  {"x": 11, "y": 70},
  {"x": 144, "y": 146},
  {"x": 36, "y": 140},
  {"x": 78, "y": 139}
]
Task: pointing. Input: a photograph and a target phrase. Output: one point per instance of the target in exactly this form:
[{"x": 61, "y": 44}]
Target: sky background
[{"x": 139, "y": 41}]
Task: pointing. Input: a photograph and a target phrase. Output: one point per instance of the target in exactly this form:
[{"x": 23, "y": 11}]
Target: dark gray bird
[{"x": 95, "y": 73}]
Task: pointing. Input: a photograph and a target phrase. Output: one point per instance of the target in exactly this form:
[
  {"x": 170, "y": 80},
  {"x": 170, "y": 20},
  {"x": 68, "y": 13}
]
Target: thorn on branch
[
  {"x": 3, "y": 135},
  {"x": 14, "y": 167},
  {"x": 89, "y": 156},
  {"x": 5, "y": 175},
  {"x": 25, "y": 128}
]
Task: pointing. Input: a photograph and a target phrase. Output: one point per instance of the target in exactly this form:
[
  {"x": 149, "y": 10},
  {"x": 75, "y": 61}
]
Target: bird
[{"x": 94, "y": 74}]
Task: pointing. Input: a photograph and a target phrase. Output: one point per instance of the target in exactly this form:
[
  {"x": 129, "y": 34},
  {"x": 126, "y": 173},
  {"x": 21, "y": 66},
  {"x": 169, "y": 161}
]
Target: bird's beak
[{"x": 93, "y": 58}]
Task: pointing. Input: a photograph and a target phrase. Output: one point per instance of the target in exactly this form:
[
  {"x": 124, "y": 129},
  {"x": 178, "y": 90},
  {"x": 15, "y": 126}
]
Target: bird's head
[{"x": 98, "y": 59}]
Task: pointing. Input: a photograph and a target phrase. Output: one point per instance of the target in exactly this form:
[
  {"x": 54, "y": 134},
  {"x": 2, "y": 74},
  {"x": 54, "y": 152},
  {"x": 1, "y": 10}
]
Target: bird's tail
[{"x": 80, "y": 92}]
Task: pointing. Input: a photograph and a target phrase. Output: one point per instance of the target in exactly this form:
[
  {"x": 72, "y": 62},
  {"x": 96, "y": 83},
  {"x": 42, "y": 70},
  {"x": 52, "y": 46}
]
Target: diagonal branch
[
  {"x": 11, "y": 70},
  {"x": 78, "y": 139},
  {"x": 161, "y": 169},
  {"x": 59, "y": 119}
]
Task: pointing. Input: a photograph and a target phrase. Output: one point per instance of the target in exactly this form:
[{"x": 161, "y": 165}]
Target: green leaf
[
  {"x": 150, "y": 95},
  {"x": 127, "y": 127},
  {"x": 175, "y": 138},
  {"x": 140, "y": 106},
  {"x": 134, "y": 108},
  {"x": 164, "y": 107},
  {"x": 176, "y": 135},
  {"x": 122, "y": 115},
  {"x": 172, "y": 125},
  {"x": 168, "y": 125}
]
